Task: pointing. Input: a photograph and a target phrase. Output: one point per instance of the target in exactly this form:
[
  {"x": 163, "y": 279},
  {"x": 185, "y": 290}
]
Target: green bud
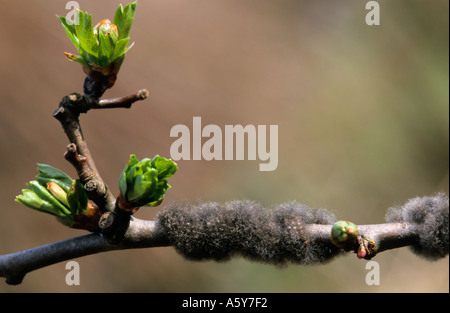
[
  {"x": 55, "y": 193},
  {"x": 48, "y": 173},
  {"x": 344, "y": 234},
  {"x": 77, "y": 198},
  {"x": 106, "y": 29},
  {"x": 144, "y": 183},
  {"x": 30, "y": 199},
  {"x": 101, "y": 46},
  {"x": 46, "y": 196},
  {"x": 58, "y": 192}
]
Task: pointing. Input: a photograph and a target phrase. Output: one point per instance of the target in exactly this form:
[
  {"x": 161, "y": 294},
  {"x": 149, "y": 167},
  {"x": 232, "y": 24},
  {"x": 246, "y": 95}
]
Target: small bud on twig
[{"x": 344, "y": 234}]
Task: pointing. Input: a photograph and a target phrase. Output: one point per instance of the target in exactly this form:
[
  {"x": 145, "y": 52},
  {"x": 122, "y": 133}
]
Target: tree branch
[
  {"x": 289, "y": 233},
  {"x": 122, "y": 102},
  {"x": 78, "y": 153},
  {"x": 147, "y": 234},
  {"x": 15, "y": 266},
  {"x": 80, "y": 163},
  {"x": 68, "y": 117}
]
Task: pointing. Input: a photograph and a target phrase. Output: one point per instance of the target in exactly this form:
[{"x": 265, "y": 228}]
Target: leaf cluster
[
  {"x": 144, "y": 183},
  {"x": 103, "y": 44},
  {"x": 55, "y": 193}
]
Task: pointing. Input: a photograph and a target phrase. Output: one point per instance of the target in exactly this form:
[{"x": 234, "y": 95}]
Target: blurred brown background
[{"x": 363, "y": 115}]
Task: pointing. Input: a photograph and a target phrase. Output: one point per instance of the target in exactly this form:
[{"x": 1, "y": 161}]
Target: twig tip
[{"x": 143, "y": 94}]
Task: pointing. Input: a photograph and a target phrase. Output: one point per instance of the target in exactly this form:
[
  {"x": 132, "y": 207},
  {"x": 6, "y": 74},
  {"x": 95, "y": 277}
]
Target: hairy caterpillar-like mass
[
  {"x": 430, "y": 214},
  {"x": 214, "y": 231}
]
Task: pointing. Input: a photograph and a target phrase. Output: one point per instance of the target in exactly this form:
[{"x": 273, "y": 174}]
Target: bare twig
[
  {"x": 91, "y": 179},
  {"x": 78, "y": 153},
  {"x": 122, "y": 102},
  {"x": 71, "y": 125},
  {"x": 79, "y": 162},
  {"x": 94, "y": 186}
]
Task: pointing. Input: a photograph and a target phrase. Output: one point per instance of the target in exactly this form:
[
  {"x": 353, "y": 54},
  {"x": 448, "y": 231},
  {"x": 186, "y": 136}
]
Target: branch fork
[{"x": 77, "y": 153}]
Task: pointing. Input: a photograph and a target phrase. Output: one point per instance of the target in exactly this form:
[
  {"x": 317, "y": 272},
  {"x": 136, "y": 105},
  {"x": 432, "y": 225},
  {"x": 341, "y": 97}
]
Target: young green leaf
[
  {"x": 77, "y": 198},
  {"x": 166, "y": 168},
  {"x": 105, "y": 51},
  {"x": 58, "y": 192},
  {"x": 144, "y": 183},
  {"x": 76, "y": 58},
  {"x": 55, "y": 193},
  {"x": 120, "y": 49},
  {"x": 124, "y": 19},
  {"x": 123, "y": 180},
  {"x": 85, "y": 34},
  {"x": 101, "y": 48},
  {"x": 44, "y": 194},
  {"x": 48, "y": 173},
  {"x": 32, "y": 200},
  {"x": 70, "y": 31}
]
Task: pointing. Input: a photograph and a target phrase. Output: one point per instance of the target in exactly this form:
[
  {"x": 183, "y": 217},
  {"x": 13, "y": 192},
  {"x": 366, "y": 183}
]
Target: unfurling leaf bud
[
  {"x": 38, "y": 198},
  {"x": 101, "y": 48},
  {"x": 106, "y": 28},
  {"x": 48, "y": 173},
  {"x": 55, "y": 193},
  {"x": 144, "y": 183},
  {"x": 58, "y": 192},
  {"x": 77, "y": 198},
  {"x": 344, "y": 234}
]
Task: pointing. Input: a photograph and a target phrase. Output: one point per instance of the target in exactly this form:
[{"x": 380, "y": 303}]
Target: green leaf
[
  {"x": 76, "y": 58},
  {"x": 48, "y": 194},
  {"x": 106, "y": 34},
  {"x": 58, "y": 209},
  {"x": 166, "y": 167},
  {"x": 49, "y": 173},
  {"x": 145, "y": 182},
  {"x": 122, "y": 184},
  {"x": 123, "y": 177},
  {"x": 120, "y": 48},
  {"x": 70, "y": 31},
  {"x": 159, "y": 191},
  {"x": 85, "y": 34},
  {"x": 106, "y": 49},
  {"x": 100, "y": 46},
  {"x": 143, "y": 187},
  {"x": 31, "y": 199},
  {"x": 77, "y": 198},
  {"x": 123, "y": 19},
  {"x": 69, "y": 27}
]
